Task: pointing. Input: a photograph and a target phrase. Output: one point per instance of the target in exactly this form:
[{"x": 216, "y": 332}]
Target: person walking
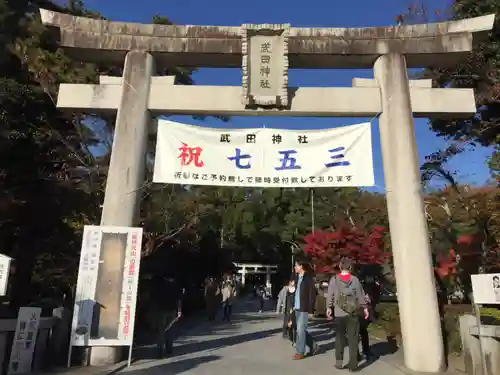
[
  {"x": 262, "y": 294},
  {"x": 346, "y": 300},
  {"x": 372, "y": 287},
  {"x": 280, "y": 305},
  {"x": 228, "y": 294},
  {"x": 372, "y": 296},
  {"x": 162, "y": 312},
  {"x": 211, "y": 293},
  {"x": 364, "y": 323},
  {"x": 289, "y": 319},
  {"x": 303, "y": 306}
]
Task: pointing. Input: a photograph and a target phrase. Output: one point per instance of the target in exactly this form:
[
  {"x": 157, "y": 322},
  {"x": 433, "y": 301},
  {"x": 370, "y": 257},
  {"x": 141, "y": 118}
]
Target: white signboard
[
  {"x": 106, "y": 291},
  {"x": 264, "y": 157},
  {"x": 23, "y": 346},
  {"x": 4, "y": 273},
  {"x": 486, "y": 288}
]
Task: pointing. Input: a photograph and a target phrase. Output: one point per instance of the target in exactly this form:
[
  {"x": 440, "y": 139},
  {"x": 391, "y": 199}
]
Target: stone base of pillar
[{"x": 105, "y": 355}]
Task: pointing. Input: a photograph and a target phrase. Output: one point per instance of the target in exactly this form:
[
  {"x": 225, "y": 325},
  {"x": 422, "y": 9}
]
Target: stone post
[
  {"x": 127, "y": 167},
  {"x": 417, "y": 299}
]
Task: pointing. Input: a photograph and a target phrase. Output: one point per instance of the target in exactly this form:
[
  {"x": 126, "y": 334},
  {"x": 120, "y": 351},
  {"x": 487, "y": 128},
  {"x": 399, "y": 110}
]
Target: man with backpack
[{"x": 346, "y": 300}]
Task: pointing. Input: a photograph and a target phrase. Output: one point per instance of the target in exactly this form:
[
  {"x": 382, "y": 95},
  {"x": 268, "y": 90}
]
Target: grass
[{"x": 377, "y": 331}]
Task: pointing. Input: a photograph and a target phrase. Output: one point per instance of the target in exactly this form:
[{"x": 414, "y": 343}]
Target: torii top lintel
[{"x": 434, "y": 44}]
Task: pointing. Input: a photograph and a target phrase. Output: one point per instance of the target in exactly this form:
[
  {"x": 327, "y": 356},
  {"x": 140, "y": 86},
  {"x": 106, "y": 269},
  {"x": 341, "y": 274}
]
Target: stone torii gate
[
  {"x": 139, "y": 95},
  {"x": 245, "y": 269}
]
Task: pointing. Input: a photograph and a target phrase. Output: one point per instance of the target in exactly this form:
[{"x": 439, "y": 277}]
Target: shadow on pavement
[
  {"x": 255, "y": 318},
  {"x": 175, "y": 367},
  {"x": 323, "y": 335},
  {"x": 225, "y": 328},
  {"x": 379, "y": 349},
  {"x": 320, "y": 323},
  {"x": 222, "y": 342},
  {"x": 194, "y": 340}
]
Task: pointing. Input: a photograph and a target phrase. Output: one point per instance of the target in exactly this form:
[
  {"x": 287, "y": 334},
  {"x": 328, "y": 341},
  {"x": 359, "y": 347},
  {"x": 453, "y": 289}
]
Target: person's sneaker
[
  {"x": 339, "y": 365},
  {"x": 354, "y": 370},
  {"x": 298, "y": 357}
]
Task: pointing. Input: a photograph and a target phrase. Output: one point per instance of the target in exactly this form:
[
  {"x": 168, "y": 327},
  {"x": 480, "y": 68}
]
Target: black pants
[
  {"x": 363, "y": 333},
  {"x": 347, "y": 332},
  {"x": 290, "y": 332},
  {"x": 164, "y": 345},
  {"x": 286, "y": 318},
  {"x": 211, "y": 315},
  {"x": 261, "y": 303},
  {"x": 227, "y": 311}
]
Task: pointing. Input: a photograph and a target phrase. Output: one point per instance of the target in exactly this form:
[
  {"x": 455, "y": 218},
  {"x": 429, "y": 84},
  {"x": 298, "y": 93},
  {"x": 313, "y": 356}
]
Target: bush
[
  {"x": 490, "y": 316},
  {"x": 387, "y": 317}
]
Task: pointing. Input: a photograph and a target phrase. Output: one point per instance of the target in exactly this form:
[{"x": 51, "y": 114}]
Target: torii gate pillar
[
  {"x": 127, "y": 167},
  {"x": 418, "y": 305}
]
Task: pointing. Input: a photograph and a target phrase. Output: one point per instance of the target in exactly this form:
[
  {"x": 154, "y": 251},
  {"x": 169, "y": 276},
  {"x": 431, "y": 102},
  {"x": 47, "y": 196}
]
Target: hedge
[{"x": 387, "y": 319}]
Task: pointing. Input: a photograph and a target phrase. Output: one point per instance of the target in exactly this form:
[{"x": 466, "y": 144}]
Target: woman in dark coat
[
  {"x": 212, "y": 292},
  {"x": 372, "y": 290},
  {"x": 289, "y": 324}
]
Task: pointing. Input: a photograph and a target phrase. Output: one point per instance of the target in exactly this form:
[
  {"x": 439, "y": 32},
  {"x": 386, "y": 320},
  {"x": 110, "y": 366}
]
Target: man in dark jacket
[{"x": 304, "y": 305}]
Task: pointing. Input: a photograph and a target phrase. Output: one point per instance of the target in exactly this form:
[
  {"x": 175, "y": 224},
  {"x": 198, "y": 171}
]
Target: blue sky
[{"x": 471, "y": 166}]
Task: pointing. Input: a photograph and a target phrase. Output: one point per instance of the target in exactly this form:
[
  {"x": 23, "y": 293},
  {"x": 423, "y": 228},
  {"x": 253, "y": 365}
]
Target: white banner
[
  {"x": 194, "y": 155},
  {"x": 4, "y": 273},
  {"x": 486, "y": 288},
  {"x": 109, "y": 263},
  {"x": 23, "y": 346}
]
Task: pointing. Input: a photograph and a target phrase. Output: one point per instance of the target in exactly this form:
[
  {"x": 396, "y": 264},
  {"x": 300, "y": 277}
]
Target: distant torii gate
[
  {"x": 245, "y": 269},
  {"x": 389, "y": 51}
]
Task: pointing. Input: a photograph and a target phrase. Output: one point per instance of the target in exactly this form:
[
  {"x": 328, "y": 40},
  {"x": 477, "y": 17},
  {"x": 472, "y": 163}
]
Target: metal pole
[
  {"x": 222, "y": 237},
  {"x": 70, "y": 350},
  {"x": 129, "y": 361},
  {"x": 312, "y": 210},
  {"x": 293, "y": 246}
]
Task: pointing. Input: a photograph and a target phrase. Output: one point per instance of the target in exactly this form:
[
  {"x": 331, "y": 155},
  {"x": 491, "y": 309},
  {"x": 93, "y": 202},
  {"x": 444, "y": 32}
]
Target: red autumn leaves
[
  {"x": 327, "y": 248},
  {"x": 470, "y": 254},
  {"x": 446, "y": 264}
]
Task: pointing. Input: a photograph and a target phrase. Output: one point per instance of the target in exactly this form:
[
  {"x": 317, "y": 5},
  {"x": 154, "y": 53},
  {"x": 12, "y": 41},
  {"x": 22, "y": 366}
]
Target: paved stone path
[{"x": 250, "y": 344}]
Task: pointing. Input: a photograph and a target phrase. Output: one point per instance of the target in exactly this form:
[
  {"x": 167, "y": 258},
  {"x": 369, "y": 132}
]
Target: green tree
[
  {"x": 51, "y": 181},
  {"x": 480, "y": 72}
]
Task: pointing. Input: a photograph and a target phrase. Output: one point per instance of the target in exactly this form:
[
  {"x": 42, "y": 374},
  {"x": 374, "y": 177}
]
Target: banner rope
[{"x": 380, "y": 112}]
